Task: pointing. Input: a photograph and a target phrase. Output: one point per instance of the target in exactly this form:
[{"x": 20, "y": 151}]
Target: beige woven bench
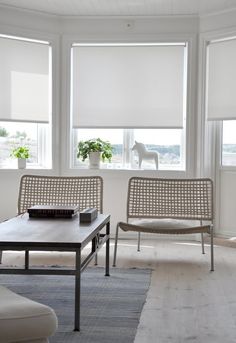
[
  {"x": 169, "y": 206},
  {"x": 85, "y": 191}
]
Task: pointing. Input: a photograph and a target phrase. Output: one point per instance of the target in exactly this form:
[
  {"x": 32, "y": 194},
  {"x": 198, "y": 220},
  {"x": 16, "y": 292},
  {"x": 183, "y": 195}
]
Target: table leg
[
  {"x": 26, "y": 259},
  {"x": 77, "y": 289},
  {"x": 107, "y": 249}
]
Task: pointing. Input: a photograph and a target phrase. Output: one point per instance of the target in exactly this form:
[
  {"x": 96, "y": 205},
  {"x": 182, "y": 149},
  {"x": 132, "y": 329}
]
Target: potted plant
[
  {"x": 95, "y": 149},
  {"x": 21, "y": 153}
]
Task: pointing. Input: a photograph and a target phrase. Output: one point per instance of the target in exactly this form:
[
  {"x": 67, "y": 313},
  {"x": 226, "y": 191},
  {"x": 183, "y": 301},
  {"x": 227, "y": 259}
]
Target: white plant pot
[
  {"x": 21, "y": 163},
  {"x": 94, "y": 160}
]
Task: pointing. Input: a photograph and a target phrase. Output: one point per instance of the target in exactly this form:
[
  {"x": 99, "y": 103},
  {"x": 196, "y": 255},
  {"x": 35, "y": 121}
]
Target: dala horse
[{"x": 144, "y": 154}]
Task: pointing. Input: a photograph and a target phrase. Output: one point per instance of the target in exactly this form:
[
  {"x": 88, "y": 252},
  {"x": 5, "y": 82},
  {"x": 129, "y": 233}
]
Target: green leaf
[
  {"x": 92, "y": 145},
  {"x": 20, "y": 152}
]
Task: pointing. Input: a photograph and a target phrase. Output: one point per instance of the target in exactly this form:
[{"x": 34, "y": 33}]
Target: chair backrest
[
  {"x": 170, "y": 198},
  {"x": 85, "y": 191}
]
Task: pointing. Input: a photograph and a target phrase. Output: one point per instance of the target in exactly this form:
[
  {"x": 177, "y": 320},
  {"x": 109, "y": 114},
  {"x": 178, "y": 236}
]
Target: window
[
  {"x": 130, "y": 92},
  {"x": 169, "y": 143},
  {"x": 35, "y": 136},
  {"x": 25, "y": 100},
  {"x": 114, "y": 136},
  {"x": 229, "y": 143},
  {"x": 220, "y": 93}
]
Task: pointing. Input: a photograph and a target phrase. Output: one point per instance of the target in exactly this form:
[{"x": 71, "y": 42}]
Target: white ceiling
[{"x": 122, "y": 7}]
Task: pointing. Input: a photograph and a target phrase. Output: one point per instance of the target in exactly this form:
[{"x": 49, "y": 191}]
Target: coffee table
[{"x": 31, "y": 234}]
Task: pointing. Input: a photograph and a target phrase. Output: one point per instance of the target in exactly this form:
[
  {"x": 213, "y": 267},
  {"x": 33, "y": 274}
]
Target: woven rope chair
[
  {"x": 85, "y": 191},
  {"x": 169, "y": 206}
]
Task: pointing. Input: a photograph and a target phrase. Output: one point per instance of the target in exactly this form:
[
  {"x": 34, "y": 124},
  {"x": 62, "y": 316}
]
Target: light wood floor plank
[{"x": 186, "y": 303}]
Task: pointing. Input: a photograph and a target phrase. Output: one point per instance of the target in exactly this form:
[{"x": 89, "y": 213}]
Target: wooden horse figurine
[{"x": 144, "y": 154}]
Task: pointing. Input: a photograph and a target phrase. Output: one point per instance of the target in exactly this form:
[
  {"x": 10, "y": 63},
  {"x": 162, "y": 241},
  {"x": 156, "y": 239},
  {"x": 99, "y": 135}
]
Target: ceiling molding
[{"x": 130, "y": 9}]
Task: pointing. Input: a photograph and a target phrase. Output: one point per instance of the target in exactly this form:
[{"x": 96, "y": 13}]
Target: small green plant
[
  {"x": 93, "y": 145},
  {"x": 20, "y": 152}
]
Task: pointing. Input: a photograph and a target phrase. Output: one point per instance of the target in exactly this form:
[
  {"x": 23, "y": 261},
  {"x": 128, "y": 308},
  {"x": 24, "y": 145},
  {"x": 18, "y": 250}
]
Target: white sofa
[{"x": 24, "y": 320}]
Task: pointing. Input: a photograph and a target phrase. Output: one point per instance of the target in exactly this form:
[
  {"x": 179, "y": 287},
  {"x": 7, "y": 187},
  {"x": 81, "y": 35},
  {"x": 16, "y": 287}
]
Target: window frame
[
  {"x": 43, "y": 154},
  {"x": 51, "y": 161},
  {"x": 186, "y": 161},
  {"x": 214, "y": 135}
]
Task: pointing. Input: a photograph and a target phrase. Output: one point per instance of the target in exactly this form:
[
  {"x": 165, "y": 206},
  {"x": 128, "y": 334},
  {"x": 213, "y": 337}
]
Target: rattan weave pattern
[
  {"x": 85, "y": 191},
  {"x": 170, "y": 198},
  {"x": 181, "y": 200}
]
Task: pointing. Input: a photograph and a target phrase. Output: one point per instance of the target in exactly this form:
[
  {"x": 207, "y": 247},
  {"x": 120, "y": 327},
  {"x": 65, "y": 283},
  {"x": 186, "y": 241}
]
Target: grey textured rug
[{"x": 110, "y": 306}]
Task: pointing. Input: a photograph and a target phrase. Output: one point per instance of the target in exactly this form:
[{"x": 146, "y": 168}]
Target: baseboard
[{"x": 225, "y": 234}]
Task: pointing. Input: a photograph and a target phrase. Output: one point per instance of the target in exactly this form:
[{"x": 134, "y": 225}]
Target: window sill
[
  {"x": 34, "y": 167},
  {"x": 228, "y": 168},
  {"x": 129, "y": 169}
]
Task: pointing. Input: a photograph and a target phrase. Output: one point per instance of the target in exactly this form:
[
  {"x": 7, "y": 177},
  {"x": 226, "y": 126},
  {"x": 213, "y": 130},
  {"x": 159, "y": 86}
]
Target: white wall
[
  {"x": 218, "y": 21},
  {"x": 115, "y": 182}
]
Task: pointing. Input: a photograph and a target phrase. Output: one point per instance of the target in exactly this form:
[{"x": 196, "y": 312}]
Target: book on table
[{"x": 52, "y": 211}]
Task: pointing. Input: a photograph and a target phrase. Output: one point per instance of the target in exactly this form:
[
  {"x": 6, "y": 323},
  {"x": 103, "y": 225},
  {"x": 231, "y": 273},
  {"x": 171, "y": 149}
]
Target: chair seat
[
  {"x": 165, "y": 226},
  {"x": 24, "y": 320},
  {"x": 153, "y": 202}
]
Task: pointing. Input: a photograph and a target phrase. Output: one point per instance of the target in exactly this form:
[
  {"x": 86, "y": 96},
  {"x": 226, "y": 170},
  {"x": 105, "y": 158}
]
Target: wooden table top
[{"x": 69, "y": 233}]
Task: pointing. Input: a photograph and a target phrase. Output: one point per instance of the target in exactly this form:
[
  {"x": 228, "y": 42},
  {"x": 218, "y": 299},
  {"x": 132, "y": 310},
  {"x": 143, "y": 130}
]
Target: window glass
[
  {"x": 32, "y": 135},
  {"x": 229, "y": 143},
  {"x": 114, "y": 136},
  {"x": 168, "y": 143}
]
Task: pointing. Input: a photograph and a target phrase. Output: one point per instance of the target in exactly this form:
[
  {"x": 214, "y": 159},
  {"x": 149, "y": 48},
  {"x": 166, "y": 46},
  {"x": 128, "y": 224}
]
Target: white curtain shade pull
[
  {"x": 24, "y": 81},
  {"x": 128, "y": 86},
  {"x": 221, "y": 80}
]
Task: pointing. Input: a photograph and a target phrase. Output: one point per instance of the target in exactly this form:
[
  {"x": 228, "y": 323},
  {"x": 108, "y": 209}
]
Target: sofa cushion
[{"x": 22, "y": 319}]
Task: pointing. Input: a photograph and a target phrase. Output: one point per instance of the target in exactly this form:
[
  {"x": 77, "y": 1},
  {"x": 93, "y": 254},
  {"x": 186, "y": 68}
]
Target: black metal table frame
[{"x": 98, "y": 240}]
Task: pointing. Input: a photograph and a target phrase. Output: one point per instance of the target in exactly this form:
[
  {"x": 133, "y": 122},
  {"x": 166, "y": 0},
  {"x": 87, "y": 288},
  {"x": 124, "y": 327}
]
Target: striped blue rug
[{"x": 110, "y": 306}]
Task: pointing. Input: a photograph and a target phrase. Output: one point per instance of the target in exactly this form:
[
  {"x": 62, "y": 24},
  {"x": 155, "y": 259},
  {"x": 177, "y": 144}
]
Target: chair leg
[
  {"x": 139, "y": 237},
  {"x": 115, "y": 247},
  {"x": 212, "y": 250},
  {"x": 96, "y": 256},
  {"x": 0, "y": 256},
  {"x": 202, "y": 239}
]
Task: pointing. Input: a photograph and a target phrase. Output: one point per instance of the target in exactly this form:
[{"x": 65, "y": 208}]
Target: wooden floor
[{"x": 186, "y": 302}]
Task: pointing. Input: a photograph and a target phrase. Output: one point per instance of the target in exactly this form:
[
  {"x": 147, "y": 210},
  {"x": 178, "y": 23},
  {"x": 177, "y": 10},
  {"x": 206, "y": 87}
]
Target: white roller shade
[
  {"x": 24, "y": 80},
  {"x": 128, "y": 86},
  {"x": 221, "y": 80}
]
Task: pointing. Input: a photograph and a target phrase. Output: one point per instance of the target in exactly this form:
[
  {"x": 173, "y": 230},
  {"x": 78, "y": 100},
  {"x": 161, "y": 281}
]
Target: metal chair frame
[{"x": 159, "y": 198}]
